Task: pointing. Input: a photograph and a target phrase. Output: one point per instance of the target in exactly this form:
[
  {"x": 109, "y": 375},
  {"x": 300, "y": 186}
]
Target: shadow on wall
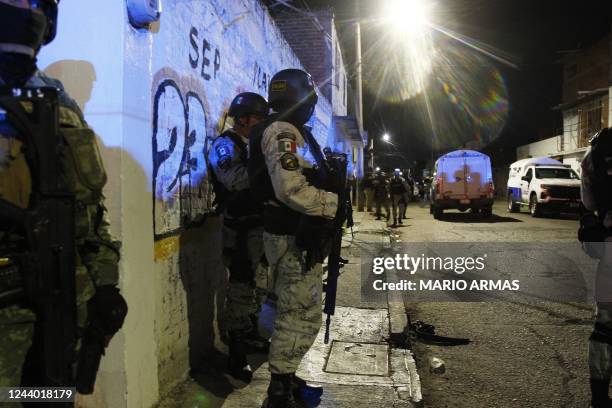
[
  {"x": 78, "y": 78},
  {"x": 204, "y": 280}
]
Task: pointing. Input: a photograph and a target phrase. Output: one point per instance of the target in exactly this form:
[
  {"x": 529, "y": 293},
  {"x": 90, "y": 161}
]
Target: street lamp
[{"x": 386, "y": 138}]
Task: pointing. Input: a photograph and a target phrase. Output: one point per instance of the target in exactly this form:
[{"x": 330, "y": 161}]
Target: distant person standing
[
  {"x": 596, "y": 234},
  {"x": 367, "y": 185},
  {"x": 399, "y": 196},
  {"x": 381, "y": 195},
  {"x": 426, "y": 191}
]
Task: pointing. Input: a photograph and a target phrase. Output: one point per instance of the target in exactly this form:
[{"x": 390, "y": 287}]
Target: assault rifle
[
  {"x": 337, "y": 166},
  {"x": 45, "y": 259}
]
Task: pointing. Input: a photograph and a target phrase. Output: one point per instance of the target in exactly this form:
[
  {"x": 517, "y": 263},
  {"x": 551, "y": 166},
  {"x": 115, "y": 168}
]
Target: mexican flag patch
[{"x": 287, "y": 146}]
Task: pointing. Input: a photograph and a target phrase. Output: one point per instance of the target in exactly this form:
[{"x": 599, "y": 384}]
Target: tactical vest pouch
[
  {"x": 314, "y": 235},
  {"x": 592, "y": 234},
  {"x": 86, "y": 156}
]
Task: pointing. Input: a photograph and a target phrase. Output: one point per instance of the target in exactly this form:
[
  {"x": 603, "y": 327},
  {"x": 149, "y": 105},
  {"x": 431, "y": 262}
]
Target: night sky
[{"x": 527, "y": 34}]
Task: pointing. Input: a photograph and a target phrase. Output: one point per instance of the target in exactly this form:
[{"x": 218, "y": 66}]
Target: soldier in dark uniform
[
  {"x": 242, "y": 230},
  {"x": 596, "y": 194}
]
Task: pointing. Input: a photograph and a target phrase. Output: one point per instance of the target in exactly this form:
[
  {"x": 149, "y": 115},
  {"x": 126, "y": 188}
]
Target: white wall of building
[{"x": 155, "y": 98}]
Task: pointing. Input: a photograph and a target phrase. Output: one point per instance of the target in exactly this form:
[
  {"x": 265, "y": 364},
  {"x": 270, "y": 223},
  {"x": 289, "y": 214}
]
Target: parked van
[
  {"x": 543, "y": 184},
  {"x": 462, "y": 180}
]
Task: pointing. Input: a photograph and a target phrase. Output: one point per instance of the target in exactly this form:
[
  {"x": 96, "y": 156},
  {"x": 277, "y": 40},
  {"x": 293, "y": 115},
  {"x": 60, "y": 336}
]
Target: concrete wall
[{"x": 155, "y": 98}]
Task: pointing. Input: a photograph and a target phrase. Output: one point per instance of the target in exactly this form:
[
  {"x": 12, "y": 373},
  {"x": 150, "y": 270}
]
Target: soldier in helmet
[
  {"x": 596, "y": 232},
  {"x": 25, "y": 26},
  {"x": 242, "y": 230},
  {"x": 278, "y": 168}
]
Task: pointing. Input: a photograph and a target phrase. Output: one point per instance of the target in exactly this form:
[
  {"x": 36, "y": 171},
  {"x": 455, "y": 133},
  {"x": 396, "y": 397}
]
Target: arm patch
[{"x": 289, "y": 162}]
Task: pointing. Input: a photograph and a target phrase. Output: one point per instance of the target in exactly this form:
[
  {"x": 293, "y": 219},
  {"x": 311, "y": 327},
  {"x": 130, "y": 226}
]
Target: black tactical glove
[{"x": 106, "y": 312}]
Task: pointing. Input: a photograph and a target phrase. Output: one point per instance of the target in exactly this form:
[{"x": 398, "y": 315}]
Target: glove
[{"x": 107, "y": 309}]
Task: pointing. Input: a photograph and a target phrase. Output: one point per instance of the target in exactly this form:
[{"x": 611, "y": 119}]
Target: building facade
[
  {"x": 156, "y": 97},
  {"x": 586, "y": 108}
]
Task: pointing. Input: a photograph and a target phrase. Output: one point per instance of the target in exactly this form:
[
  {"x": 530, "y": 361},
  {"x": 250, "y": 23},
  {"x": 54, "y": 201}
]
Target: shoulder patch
[
  {"x": 287, "y": 146},
  {"x": 223, "y": 151},
  {"x": 289, "y": 162},
  {"x": 286, "y": 136}
]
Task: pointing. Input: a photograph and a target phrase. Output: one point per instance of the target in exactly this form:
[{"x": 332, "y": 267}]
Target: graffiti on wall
[
  {"x": 260, "y": 78},
  {"x": 180, "y": 184}
]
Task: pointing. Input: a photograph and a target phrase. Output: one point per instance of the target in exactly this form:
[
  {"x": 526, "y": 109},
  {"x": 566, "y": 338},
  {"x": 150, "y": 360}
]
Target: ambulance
[
  {"x": 543, "y": 184},
  {"x": 462, "y": 180}
]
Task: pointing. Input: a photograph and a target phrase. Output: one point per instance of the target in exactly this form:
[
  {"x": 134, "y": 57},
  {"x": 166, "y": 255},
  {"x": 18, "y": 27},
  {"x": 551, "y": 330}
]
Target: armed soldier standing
[
  {"x": 242, "y": 230},
  {"x": 399, "y": 197},
  {"x": 278, "y": 166},
  {"x": 596, "y": 234},
  {"x": 381, "y": 195},
  {"x": 25, "y": 25}
]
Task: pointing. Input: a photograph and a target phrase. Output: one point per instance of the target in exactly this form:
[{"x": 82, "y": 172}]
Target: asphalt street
[{"x": 525, "y": 351}]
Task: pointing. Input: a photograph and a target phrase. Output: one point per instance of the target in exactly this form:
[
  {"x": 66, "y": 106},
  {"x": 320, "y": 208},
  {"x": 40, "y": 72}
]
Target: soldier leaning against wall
[
  {"x": 242, "y": 231},
  {"x": 25, "y": 26}
]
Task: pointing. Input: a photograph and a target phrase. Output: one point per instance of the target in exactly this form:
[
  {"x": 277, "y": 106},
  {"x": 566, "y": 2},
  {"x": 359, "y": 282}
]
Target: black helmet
[
  {"x": 290, "y": 89},
  {"x": 49, "y": 9},
  {"x": 248, "y": 103}
]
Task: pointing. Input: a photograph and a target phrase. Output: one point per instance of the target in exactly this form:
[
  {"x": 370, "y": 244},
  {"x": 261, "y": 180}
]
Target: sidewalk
[{"x": 357, "y": 369}]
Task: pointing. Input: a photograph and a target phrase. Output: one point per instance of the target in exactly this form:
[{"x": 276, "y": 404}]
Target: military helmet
[
  {"x": 49, "y": 9},
  {"x": 248, "y": 103},
  {"x": 291, "y": 88}
]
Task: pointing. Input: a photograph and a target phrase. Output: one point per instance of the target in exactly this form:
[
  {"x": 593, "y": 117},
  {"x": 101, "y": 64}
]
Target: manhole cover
[{"x": 358, "y": 358}]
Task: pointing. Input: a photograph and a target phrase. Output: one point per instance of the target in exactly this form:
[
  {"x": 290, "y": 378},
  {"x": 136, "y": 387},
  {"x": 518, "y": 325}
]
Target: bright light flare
[
  {"x": 407, "y": 16},
  {"x": 386, "y": 137}
]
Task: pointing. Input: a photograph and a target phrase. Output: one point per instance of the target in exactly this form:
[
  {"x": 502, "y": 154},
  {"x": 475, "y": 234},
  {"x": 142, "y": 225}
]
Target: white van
[
  {"x": 543, "y": 184},
  {"x": 462, "y": 180}
]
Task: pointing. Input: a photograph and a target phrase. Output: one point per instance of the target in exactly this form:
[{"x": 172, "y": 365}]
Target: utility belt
[
  {"x": 593, "y": 234},
  {"x": 280, "y": 219}
]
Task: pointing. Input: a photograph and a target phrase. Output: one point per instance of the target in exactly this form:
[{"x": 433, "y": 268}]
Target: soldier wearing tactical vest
[
  {"x": 242, "y": 230},
  {"x": 399, "y": 189},
  {"x": 25, "y": 25},
  {"x": 278, "y": 168},
  {"x": 596, "y": 194}
]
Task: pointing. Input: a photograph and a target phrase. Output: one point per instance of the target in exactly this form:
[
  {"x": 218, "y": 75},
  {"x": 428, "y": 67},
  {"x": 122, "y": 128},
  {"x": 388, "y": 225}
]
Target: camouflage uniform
[
  {"x": 97, "y": 255},
  {"x": 284, "y": 150},
  {"x": 242, "y": 232}
]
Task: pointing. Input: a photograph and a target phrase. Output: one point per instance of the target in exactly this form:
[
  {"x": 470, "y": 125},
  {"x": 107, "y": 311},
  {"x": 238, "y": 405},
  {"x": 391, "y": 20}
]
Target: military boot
[
  {"x": 280, "y": 393},
  {"x": 599, "y": 393},
  {"x": 238, "y": 366},
  {"x": 309, "y": 395}
]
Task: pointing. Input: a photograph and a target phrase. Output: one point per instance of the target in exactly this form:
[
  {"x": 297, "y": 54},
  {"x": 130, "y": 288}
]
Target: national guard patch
[
  {"x": 278, "y": 86},
  {"x": 287, "y": 146},
  {"x": 289, "y": 162}
]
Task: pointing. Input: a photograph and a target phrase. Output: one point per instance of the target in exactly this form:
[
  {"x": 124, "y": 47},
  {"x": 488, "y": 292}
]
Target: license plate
[
  {"x": 464, "y": 201},
  {"x": 574, "y": 205}
]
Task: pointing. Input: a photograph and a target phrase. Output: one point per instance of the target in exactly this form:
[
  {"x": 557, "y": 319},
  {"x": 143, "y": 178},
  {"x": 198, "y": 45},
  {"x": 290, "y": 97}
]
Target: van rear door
[
  {"x": 477, "y": 177},
  {"x": 453, "y": 177}
]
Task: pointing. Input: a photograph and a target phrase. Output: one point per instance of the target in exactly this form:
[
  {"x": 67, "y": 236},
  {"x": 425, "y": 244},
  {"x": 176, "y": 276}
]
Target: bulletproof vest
[
  {"x": 397, "y": 186},
  {"x": 601, "y": 155},
  {"x": 236, "y": 204},
  {"x": 278, "y": 217}
]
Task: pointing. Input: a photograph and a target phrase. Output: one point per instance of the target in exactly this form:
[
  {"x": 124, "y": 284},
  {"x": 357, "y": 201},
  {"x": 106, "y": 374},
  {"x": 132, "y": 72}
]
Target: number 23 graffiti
[{"x": 180, "y": 186}]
